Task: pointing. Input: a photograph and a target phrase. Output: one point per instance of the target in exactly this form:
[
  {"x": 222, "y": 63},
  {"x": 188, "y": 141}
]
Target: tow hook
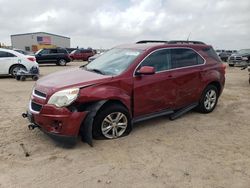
[
  {"x": 32, "y": 126},
  {"x": 25, "y": 115}
]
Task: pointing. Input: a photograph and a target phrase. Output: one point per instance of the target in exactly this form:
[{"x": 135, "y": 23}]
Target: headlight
[
  {"x": 64, "y": 97},
  {"x": 244, "y": 58}
]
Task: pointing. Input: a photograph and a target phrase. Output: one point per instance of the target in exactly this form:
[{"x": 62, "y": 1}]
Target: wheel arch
[
  {"x": 20, "y": 65},
  {"x": 216, "y": 84}
]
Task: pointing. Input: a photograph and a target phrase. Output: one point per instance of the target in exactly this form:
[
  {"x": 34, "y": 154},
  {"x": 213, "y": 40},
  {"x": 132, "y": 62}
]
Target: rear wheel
[
  {"x": 208, "y": 100},
  {"x": 62, "y": 62},
  {"x": 112, "y": 122},
  {"x": 14, "y": 69}
]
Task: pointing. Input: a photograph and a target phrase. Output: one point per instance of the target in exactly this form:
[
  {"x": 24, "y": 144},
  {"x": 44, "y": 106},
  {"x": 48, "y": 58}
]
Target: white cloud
[{"x": 222, "y": 23}]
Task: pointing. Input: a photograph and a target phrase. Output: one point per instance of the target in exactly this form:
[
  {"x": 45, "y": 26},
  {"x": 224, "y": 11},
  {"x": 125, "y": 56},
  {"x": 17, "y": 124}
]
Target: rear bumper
[{"x": 59, "y": 123}]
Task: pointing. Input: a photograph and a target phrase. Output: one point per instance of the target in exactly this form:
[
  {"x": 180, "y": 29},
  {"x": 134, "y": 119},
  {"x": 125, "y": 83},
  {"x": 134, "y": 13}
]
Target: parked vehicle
[
  {"x": 92, "y": 58},
  {"x": 127, "y": 84},
  {"x": 82, "y": 54},
  {"x": 24, "y": 52},
  {"x": 225, "y": 55},
  {"x": 12, "y": 61},
  {"x": 241, "y": 57},
  {"x": 58, "y": 56},
  {"x": 219, "y": 51}
]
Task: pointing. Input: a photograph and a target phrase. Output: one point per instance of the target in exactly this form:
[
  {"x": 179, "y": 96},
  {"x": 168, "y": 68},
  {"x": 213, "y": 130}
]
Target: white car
[{"x": 11, "y": 61}]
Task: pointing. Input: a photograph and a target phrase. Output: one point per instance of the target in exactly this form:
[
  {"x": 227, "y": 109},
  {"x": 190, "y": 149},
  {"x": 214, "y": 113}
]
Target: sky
[{"x": 225, "y": 24}]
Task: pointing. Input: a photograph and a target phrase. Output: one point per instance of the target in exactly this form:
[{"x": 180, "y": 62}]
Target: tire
[
  {"x": 231, "y": 65},
  {"x": 15, "y": 68},
  {"x": 22, "y": 78},
  {"x": 62, "y": 62},
  {"x": 18, "y": 78},
  {"x": 35, "y": 78},
  {"x": 106, "y": 124},
  {"x": 208, "y": 99}
]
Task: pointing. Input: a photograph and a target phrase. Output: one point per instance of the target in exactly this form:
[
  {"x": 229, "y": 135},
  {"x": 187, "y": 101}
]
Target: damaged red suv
[{"x": 127, "y": 84}]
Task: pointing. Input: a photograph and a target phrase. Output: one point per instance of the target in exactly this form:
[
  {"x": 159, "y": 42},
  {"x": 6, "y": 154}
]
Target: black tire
[
  {"x": 203, "y": 106},
  {"x": 22, "y": 78},
  {"x": 17, "y": 77},
  {"x": 35, "y": 78},
  {"x": 15, "y": 68},
  {"x": 62, "y": 62},
  {"x": 103, "y": 113},
  {"x": 231, "y": 65}
]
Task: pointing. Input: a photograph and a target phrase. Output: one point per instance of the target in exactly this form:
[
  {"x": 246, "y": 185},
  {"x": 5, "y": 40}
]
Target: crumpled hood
[{"x": 76, "y": 77}]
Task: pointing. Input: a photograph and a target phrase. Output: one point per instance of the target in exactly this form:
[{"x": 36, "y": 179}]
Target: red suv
[
  {"x": 82, "y": 54},
  {"x": 127, "y": 84}
]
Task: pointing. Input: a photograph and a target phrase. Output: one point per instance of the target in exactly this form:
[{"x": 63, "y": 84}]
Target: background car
[
  {"x": 226, "y": 54},
  {"x": 92, "y": 58},
  {"x": 12, "y": 61},
  {"x": 82, "y": 54},
  {"x": 58, "y": 56},
  {"x": 241, "y": 57}
]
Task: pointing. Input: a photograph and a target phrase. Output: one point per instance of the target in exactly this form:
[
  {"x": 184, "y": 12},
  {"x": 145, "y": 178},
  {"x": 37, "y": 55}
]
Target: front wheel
[
  {"x": 112, "y": 122},
  {"x": 208, "y": 100}
]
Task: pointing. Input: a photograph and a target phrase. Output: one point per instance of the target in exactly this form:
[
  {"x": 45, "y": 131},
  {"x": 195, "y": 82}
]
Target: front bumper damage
[{"x": 58, "y": 123}]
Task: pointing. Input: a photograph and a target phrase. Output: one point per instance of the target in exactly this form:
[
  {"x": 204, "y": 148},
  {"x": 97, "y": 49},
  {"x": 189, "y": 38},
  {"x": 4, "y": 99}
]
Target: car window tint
[
  {"x": 53, "y": 51},
  {"x": 160, "y": 60},
  {"x": 62, "y": 51},
  {"x": 6, "y": 54},
  {"x": 211, "y": 53},
  {"x": 184, "y": 58},
  {"x": 45, "y": 51}
]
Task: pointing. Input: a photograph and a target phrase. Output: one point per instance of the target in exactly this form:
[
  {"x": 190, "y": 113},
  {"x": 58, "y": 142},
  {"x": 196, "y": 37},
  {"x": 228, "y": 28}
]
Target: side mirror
[{"x": 147, "y": 70}]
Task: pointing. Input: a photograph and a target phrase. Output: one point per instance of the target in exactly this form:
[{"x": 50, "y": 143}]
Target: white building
[{"x": 39, "y": 40}]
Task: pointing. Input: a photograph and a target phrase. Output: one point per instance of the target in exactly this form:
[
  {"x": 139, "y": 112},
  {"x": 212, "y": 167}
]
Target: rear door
[
  {"x": 6, "y": 60},
  {"x": 186, "y": 67},
  {"x": 157, "y": 92}
]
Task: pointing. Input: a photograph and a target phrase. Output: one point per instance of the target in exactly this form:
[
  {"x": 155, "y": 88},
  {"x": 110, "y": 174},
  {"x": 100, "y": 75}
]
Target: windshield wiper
[{"x": 97, "y": 71}]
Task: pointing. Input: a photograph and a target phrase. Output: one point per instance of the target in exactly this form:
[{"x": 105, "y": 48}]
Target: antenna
[{"x": 188, "y": 36}]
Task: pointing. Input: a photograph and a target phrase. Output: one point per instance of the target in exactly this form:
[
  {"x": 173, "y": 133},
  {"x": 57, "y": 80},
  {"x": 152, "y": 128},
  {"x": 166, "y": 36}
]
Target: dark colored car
[
  {"x": 58, "y": 56},
  {"x": 225, "y": 55},
  {"x": 241, "y": 57},
  {"x": 127, "y": 84},
  {"x": 82, "y": 54}
]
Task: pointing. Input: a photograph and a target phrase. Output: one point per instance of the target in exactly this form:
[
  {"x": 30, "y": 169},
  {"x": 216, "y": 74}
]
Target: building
[{"x": 38, "y": 40}]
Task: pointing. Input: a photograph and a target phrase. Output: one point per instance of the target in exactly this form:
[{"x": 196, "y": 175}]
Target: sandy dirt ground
[{"x": 196, "y": 150}]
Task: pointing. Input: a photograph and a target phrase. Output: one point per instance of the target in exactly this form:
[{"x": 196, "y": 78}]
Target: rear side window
[
  {"x": 211, "y": 53},
  {"x": 160, "y": 60},
  {"x": 53, "y": 51},
  {"x": 62, "y": 51},
  {"x": 6, "y": 54},
  {"x": 184, "y": 58}
]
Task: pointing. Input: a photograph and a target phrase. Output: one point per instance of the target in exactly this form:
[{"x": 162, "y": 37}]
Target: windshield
[
  {"x": 74, "y": 51},
  {"x": 38, "y": 51},
  {"x": 114, "y": 61},
  {"x": 244, "y": 51}
]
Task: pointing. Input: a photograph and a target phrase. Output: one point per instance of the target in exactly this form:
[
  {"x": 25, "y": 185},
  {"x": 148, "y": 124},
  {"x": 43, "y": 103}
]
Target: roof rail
[
  {"x": 185, "y": 42},
  {"x": 151, "y": 41}
]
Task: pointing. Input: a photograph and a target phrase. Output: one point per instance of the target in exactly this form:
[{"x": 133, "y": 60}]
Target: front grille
[
  {"x": 36, "y": 107},
  {"x": 235, "y": 58},
  {"x": 39, "y": 94}
]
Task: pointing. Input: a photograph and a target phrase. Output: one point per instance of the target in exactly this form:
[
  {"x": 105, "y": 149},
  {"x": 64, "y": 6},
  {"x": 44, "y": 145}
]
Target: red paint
[{"x": 142, "y": 94}]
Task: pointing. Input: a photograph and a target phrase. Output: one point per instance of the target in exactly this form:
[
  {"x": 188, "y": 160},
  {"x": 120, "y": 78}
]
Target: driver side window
[{"x": 160, "y": 60}]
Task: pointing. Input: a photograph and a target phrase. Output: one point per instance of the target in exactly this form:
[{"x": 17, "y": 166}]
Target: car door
[
  {"x": 185, "y": 68},
  {"x": 157, "y": 92},
  {"x": 6, "y": 60},
  {"x": 42, "y": 56}
]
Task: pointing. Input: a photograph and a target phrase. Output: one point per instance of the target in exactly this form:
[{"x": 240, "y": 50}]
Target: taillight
[
  {"x": 32, "y": 59},
  {"x": 224, "y": 66}
]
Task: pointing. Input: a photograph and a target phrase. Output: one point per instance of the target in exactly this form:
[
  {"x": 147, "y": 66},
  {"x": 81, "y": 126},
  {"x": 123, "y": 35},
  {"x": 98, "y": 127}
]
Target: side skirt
[
  {"x": 152, "y": 115},
  {"x": 182, "y": 111}
]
